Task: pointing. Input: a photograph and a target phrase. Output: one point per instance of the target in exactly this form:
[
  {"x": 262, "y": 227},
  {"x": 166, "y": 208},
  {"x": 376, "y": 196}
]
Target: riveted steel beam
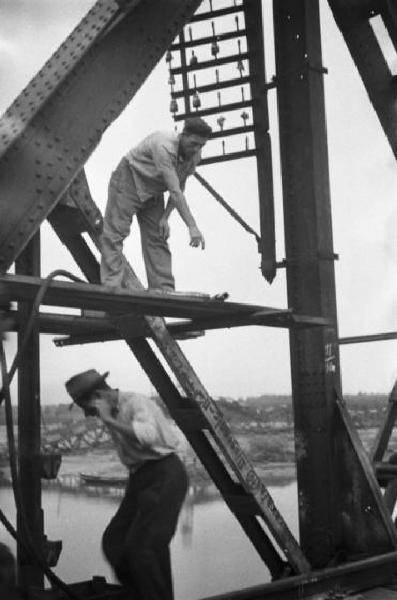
[
  {"x": 45, "y": 152},
  {"x": 328, "y": 458},
  {"x": 29, "y": 431},
  {"x": 369, "y": 58},
  {"x": 357, "y": 11},
  {"x": 389, "y": 16},
  {"x": 30, "y": 101},
  {"x": 217, "y": 427},
  {"x": 260, "y": 111}
]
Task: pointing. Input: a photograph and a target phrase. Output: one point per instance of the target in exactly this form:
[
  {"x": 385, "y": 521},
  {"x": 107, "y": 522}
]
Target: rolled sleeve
[{"x": 165, "y": 166}]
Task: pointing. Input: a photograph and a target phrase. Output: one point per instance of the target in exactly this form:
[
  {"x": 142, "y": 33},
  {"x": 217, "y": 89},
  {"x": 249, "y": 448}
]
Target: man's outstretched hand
[{"x": 196, "y": 238}]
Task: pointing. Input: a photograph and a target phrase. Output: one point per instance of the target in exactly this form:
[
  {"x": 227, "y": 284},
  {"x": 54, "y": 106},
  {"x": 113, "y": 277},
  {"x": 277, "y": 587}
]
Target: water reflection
[{"x": 210, "y": 552}]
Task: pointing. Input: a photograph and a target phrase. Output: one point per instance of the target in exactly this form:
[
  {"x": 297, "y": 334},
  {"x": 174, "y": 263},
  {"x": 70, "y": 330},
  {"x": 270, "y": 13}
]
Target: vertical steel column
[
  {"x": 28, "y": 263},
  {"x": 341, "y": 511},
  {"x": 255, "y": 41},
  {"x": 310, "y": 269}
]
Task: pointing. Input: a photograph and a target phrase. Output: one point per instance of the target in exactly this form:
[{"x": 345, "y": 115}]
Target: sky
[{"x": 252, "y": 360}]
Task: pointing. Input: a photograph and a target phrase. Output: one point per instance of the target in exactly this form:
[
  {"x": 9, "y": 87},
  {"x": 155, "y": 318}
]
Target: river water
[{"x": 210, "y": 552}]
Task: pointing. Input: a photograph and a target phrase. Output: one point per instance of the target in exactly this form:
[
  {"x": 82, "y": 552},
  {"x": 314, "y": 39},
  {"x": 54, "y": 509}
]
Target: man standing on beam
[{"x": 161, "y": 162}]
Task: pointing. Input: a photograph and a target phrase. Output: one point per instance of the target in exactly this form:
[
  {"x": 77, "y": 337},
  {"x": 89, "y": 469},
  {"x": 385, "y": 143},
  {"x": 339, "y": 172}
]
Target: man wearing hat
[
  {"x": 136, "y": 541},
  {"x": 161, "y": 162}
]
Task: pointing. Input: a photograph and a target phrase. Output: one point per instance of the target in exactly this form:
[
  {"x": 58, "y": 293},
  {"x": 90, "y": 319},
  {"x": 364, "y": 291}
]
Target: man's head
[
  {"x": 195, "y": 134},
  {"x": 86, "y": 386}
]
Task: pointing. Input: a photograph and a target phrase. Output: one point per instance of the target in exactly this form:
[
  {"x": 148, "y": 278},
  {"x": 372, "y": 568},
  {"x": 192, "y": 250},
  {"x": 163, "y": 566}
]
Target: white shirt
[
  {"x": 155, "y": 436},
  {"x": 157, "y": 165}
]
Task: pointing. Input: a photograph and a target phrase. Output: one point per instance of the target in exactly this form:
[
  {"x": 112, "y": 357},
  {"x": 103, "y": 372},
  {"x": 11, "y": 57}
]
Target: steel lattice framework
[{"x": 46, "y": 137}]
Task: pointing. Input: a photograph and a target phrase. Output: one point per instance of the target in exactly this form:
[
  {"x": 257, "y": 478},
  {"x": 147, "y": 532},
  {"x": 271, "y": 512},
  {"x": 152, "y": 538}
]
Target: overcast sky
[{"x": 244, "y": 361}]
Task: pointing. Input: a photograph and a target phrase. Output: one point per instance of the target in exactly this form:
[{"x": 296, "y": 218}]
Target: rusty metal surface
[
  {"x": 60, "y": 136},
  {"x": 333, "y": 482}
]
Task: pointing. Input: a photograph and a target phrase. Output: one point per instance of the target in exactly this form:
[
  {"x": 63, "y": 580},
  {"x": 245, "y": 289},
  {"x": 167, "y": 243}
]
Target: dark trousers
[{"x": 136, "y": 541}]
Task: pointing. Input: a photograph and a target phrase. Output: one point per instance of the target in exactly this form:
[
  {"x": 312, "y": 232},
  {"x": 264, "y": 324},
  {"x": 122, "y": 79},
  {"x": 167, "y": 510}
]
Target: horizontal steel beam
[
  {"x": 219, "y": 85},
  {"x": 214, "y": 110},
  {"x": 221, "y": 37},
  {"x": 97, "y": 297},
  {"x": 209, "y": 64},
  {"x": 232, "y": 131},
  {"x": 210, "y": 160},
  {"x": 349, "y": 578},
  {"x": 213, "y": 14},
  {"x": 373, "y": 337},
  {"x": 92, "y": 329}
]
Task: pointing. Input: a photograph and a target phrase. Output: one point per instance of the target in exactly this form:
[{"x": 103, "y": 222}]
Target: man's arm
[
  {"x": 177, "y": 197},
  {"x": 141, "y": 431},
  {"x": 104, "y": 413}
]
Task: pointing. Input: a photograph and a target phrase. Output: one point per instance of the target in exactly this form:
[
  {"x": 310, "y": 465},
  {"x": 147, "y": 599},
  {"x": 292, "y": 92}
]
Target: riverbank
[{"x": 105, "y": 463}]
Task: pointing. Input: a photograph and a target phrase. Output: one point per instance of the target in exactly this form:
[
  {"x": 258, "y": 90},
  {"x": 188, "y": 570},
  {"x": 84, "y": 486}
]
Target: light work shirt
[
  {"x": 155, "y": 436},
  {"x": 157, "y": 165}
]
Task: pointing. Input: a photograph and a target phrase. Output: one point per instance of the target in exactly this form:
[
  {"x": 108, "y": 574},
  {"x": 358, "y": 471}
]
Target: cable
[
  {"x": 26, "y": 540},
  {"x": 29, "y": 326},
  {"x": 227, "y": 206}
]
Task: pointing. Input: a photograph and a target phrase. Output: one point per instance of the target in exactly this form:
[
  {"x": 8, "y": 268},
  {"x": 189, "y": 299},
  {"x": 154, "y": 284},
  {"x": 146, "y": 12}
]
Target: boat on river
[{"x": 104, "y": 480}]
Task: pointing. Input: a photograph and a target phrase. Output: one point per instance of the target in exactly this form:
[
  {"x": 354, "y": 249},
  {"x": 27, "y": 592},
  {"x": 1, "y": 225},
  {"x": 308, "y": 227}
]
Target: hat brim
[{"x": 99, "y": 381}]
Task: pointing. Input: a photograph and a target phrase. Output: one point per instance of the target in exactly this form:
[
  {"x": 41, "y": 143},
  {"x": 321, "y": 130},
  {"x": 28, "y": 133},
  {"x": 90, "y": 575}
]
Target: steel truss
[{"x": 48, "y": 135}]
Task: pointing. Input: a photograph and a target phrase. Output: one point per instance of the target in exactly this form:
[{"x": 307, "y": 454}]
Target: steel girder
[
  {"x": 255, "y": 503},
  {"x": 353, "y": 19},
  {"x": 48, "y": 133},
  {"x": 29, "y": 427},
  {"x": 334, "y": 479}
]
